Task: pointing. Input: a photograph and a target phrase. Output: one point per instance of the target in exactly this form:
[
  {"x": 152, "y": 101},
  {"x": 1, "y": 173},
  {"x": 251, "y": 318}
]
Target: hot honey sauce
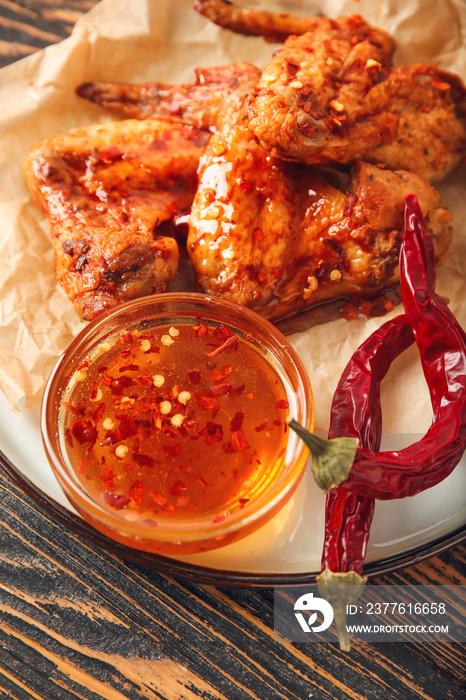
[{"x": 178, "y": 421}]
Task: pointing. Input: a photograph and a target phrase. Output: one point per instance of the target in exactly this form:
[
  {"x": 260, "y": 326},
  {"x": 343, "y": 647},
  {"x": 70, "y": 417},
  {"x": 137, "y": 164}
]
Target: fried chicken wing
[
  {"x": 278, "y": 236},
  {"x": 274, "y": 28},
  {"x": 107, "y": 191},
  {"x": 330, "y": 95},
  {"x": 216, "y": 94}
]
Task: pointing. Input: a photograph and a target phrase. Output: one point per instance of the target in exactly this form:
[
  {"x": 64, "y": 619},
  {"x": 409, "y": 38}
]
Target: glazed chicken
[
  {"x": 265, "y": 230},
  {"x": 214, "y": 98},
  {"x": 332, "y": 95},
  {"x": 109, "y": 191},
  {"x": 279, "y": 236}
]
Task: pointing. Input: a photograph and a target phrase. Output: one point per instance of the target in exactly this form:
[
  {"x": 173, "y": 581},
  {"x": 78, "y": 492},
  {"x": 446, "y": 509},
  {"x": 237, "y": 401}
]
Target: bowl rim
[{"x": 186, "y": 530}]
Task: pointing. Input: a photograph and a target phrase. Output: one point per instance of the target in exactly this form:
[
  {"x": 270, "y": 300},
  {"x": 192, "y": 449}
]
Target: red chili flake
[
  {"x": 204, "y": 482},
  {"x": 351, "y": 201},
  {"x": 222, "y": 332},
  {"x": 213, "y": 432},
  {"x": 239, "y": 389},
  {"x": 152, "y": 523},
  {"x": 157, "y": 497},
  {"x": 105, "y": 380},
  {"x": 83, "y": 365},
  {"x": 261, "y": 276},
  {"x": 238, "y": 441},
  {"x": 93, "y": 391},
  {"x": 262, "y": 426},
  {"x": 243, "y": 501},
  {"x": 98, "y": 413},
  {"x": 68, "y": 437},
  {"x": 110, "y": 439},
  {"x": 219, "y": 518},
  {"x": 109, "y": 154},
  {"x": 282, "y": 403},
  {"x": 350, "y": 311},
  {"x": 215, "y": 376},
  {"x": 201, "y": 329},
  {"x": 82, "y": 466},
  {"x": 257, "y": 234},
  {"x": 230, "y": 342},
  {"x": 178, "y": 488},
  {"x": 117, "y": 385},
  {"x": 116, "y": 500},
  {"x": 207, "y": 400},
  {"x": 127, "y": 337},
  {"x": 107, "y": 473},
  {"x": 276, "y": 271},
  {"x": 194, "y": 377},
  {"x": 307, "y": 107},
  {"x": 136, "y": 492},
  {"x": 440, "y": 85},
  {"x": 83, "y": 431},
  {"x": 75, "y": 410},
  {"x": 223, "y": 389},
  {"x": 143, "y": 460},
  {"x": 129, "y": 368},
  {"x": 246, "y": 185},
  {"x": 277, "y": 422},
  {"x": 173, "y": 449},
  {"x": 227, "y": 369},
  {"x": 236, "y": 422},
  {"x": 307, "y": 129},
  {"x": 126, "y": 426}
]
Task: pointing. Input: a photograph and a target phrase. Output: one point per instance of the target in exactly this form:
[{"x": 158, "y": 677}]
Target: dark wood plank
[
  {"x": 29, "y": 25},
  {"x": 77, "y": 620}
]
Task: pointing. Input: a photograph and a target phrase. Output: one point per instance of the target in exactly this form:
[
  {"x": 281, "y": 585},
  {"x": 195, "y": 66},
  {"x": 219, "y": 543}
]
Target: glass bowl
[{"x": 165, "y": 422}]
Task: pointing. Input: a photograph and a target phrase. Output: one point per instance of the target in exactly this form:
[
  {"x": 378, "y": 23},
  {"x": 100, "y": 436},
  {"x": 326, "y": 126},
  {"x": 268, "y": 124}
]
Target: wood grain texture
[
  {"x": 30, "y": 25},
  {"x": 77, "y": 622}
]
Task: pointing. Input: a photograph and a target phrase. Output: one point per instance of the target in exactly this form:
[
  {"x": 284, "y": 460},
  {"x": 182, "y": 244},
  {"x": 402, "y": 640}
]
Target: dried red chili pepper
[
  {"x": 442, "y": 346},
  {"x": 356, "y": 413}
]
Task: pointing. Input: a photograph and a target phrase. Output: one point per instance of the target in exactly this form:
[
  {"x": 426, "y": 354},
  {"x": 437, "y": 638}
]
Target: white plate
[{"x": 286, "y": 549}]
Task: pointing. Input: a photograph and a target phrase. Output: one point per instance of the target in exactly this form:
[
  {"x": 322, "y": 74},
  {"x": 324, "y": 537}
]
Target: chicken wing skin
[
  {"x": 279, "y": 237},
  {"x": 216, "y": 94},
  {"x": 107, "y": 191},
  {"x": 274, "y": 28},
  {"x": 330, "y": 95}
]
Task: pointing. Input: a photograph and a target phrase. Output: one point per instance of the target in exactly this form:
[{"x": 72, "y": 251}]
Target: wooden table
[{"x": 78, "y": 622}]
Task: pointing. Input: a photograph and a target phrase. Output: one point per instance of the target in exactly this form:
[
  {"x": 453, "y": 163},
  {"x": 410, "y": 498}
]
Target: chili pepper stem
[
  {"x": 340, "y": 589},
  {"x": 332, "y": 459}
]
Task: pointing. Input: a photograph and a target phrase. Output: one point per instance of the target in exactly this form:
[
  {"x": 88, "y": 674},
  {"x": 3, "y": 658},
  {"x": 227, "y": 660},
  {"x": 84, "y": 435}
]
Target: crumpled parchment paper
[{"x": 164, "y": 40}]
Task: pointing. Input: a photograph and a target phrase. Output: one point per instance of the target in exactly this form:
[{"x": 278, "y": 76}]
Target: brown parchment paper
[{"x": 138, "y": 40}]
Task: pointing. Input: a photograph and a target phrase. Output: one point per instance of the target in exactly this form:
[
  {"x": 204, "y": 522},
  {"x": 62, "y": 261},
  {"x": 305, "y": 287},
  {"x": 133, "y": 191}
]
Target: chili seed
[
  {"x": 121, "y": 451},
  {"x": 158, "y": 380},
  {"x": 183, "y": 397},
  {"x": 335, "y": 275},
  {"x": 145, "y": 345},
  {"x": 166, "y": 340},
  {"x": 108, "y": 424},
  {"x": 177, "y": 420},
  {"x": 174, "y": 332},
  {"x": 165, "y": 407}
]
